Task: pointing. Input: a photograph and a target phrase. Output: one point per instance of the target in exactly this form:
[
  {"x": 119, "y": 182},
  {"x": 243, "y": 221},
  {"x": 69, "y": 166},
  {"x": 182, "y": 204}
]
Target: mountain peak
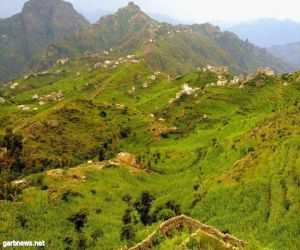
[
  {"x": 58, "y": 15},
  {"x": 132, "y": 5},
  {"x": 37, "y": 4},
  {"x": 41, "y": 22}
]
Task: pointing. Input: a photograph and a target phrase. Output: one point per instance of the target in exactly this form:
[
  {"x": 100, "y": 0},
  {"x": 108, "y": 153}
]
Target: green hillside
[{"x": 224, "y": 155}]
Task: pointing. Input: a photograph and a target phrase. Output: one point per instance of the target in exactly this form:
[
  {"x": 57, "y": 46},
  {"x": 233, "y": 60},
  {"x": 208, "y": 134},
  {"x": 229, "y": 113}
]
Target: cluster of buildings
[
  {"x": 154, "y": 76},
  {"x": 26, "y": 108},
  {"x": 115, "y": 63},
  {"x": 63, "y": 61},
  {"x": 215, "y": 69},
  {"x": 222, "y": 81},
  {"x": 266, "y": 71},
  {"x": 14, "y": 86},
  {"x": 237, "y": 80},
  {"x": 54, "y": 96},
  {"x": 26, "y": 77},
  {"x": 185, "y": 90},
  {"x": 98, "y": 54},
  {"x": 43, "y": 99}
]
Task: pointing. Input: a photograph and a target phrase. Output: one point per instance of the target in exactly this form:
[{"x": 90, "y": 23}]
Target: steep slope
[
  {"x": 227, "y": 156},
  {"x": 288, "y": 52},
  {"x": 247, "y": 55},
  {"x": 110, "y": 31},
  {"x": 25, "y": 34},
  {"x": 177, "y": 49},
  {"x": 269, "y": 32}
]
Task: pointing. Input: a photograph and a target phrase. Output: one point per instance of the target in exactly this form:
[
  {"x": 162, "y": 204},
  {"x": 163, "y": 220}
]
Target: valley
[
  {"x": 219, "y": 145},
  {"x": 135, "y": 134}
]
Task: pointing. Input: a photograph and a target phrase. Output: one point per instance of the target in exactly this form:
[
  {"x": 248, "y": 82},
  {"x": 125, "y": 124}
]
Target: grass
[{"x": 237, "y": 169}]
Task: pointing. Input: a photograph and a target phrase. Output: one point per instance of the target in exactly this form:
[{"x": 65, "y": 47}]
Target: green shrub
[{"x": 79, "y": 219}]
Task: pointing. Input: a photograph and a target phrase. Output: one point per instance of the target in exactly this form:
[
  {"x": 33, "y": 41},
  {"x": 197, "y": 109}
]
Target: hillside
[
  {"x": 289, "y": 52},
  {"x": 177, "y": 49},
  {"x": 268, "y": 32},
  {"x": 46, "y": 31},
  {"x": 109, "y": 149},
  {"x": 23, "y": 35}
]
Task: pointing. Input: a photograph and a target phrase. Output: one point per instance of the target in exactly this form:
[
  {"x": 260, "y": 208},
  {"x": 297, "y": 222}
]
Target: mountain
[
  {"x": 175, "y": 48},
  {"x": 246, "y": 55},
  {"x": 289, "y": 52},
  {"x": 103, "y": 150},
  {"x": 25, "y": 34},
  {"x": 268, "y": 32}
]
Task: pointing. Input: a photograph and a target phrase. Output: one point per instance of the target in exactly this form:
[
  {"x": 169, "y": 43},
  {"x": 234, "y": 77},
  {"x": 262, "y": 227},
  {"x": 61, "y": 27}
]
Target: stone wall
[{"x": 184, "y": 221}]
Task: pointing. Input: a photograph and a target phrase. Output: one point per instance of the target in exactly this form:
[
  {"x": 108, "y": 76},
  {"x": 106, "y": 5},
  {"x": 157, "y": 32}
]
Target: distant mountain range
[
  {"x": 289, "y": 52},
  {"x": 269, "y": 32},
  {"x": 282, "y": 38},
  {"x": 49, "y": 30}
]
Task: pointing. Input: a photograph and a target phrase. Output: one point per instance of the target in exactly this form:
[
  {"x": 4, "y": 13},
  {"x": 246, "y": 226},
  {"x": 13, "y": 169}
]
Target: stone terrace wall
[{"x": 181, "y": 221}]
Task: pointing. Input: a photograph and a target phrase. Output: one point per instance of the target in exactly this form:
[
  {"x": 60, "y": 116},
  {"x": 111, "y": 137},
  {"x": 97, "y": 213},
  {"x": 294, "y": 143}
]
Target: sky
[{"x": 199, "y": 11}]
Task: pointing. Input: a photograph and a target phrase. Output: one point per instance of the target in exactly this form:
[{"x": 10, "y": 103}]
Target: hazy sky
[{"x": 194, "y": 10}]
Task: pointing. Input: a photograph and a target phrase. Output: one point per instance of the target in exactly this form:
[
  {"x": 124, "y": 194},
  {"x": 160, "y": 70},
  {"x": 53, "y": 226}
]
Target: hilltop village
[{"x": 224, "y": 78}]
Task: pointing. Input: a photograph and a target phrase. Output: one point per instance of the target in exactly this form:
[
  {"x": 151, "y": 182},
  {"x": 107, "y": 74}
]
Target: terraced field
[{"x": 227, "y": 156}]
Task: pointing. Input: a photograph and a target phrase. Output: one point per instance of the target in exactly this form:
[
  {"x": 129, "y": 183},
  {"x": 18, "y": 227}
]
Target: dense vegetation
[{"x": 232, "y": 162}]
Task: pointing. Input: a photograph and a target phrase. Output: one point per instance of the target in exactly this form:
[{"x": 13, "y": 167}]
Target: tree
[
  {"x": 143, "y": 206},
  {"x": 11, "y": 163},
  {"x": 79, "y": 219},
  {"x": 13, "y": 144},
  {"x": 103, "y": 114},
  {"x": 124, "y": 132},
  {"x": 124, "y": 111}
]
